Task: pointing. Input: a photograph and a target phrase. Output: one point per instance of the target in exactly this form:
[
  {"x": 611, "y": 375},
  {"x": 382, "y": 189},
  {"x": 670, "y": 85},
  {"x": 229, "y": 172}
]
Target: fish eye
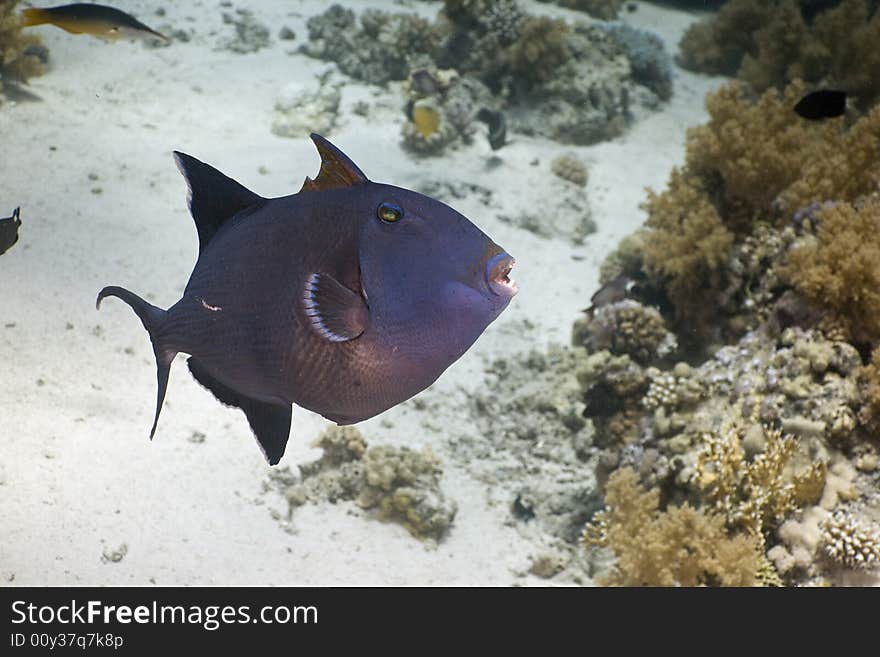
[{"x": 390, "y": 212}]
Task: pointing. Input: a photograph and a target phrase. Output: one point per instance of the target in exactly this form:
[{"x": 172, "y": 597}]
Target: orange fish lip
[{"x": 498, "y": 270}]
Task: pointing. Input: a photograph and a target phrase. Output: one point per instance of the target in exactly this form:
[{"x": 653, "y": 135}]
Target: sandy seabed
[{"x": 85, "y": 497}]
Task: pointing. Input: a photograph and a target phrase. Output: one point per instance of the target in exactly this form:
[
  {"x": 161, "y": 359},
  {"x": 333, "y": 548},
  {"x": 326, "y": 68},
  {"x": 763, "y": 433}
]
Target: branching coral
[
  {"x": 681, "y": 546},
  {"x": 755, "y": 494},
  {"x": 839, "y": 271},
  {"x": 21, "y": 55}
]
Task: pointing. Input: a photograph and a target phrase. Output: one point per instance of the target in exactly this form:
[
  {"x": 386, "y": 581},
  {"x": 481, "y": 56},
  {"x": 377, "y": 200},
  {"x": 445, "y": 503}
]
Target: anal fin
[{"x": 269, "y": 422}]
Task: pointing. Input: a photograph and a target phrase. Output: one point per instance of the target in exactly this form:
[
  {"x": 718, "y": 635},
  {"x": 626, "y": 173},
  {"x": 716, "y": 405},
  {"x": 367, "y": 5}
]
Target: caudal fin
[
  {"x": 34, "y": 16},
  {"x": 152, "y": 318}
]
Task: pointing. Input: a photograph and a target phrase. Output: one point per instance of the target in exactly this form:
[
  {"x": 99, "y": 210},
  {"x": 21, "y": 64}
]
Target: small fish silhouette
[
  {"x": 9, "y": 230},
  {"x": 822, "y": 104},
  {"x": 497, "y": 127},
  {"x": 346, "y": 298}
]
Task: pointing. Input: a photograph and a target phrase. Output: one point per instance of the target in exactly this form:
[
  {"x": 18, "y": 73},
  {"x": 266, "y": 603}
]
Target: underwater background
[{"x": 685, "y": 391}]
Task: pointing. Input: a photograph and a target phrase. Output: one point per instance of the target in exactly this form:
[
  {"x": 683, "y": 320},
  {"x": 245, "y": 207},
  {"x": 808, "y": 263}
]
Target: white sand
[{"x": 78, "y": 476}]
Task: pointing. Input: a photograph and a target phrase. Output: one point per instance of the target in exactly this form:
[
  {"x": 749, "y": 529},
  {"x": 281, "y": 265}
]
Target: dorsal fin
[
  {"x": 213, "y": 197},
  {"x": 337, "y": 170}
]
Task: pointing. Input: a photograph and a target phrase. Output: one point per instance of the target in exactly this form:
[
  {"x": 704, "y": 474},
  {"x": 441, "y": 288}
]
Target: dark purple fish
[
  {"x": 346, "y": 298},
  {"x": 9, "y": 230},
  {"x": 822, "y": 104}
]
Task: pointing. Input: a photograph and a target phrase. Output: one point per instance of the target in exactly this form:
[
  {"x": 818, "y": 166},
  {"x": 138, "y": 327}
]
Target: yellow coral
[
  {"x": 687, "y": 239},
  {"x": 682, "y": 546},
  {"x": 17, "y": 58},
  {"x": 755, "y": 494},
  {"x": 839, "y": 270}
]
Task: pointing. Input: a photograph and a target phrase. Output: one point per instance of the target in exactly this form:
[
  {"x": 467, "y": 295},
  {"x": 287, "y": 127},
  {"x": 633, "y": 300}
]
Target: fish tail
[
  {"x": 34, "y": 16},
  {"x": 152, "y": 318}
]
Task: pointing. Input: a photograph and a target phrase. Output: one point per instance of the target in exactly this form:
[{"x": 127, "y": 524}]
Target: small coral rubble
[{"x": 401, "y": 484}]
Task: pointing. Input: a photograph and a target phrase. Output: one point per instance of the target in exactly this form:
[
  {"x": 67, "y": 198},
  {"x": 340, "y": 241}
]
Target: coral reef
[
  {"x": 838, "y": 270},
  {"x": 386, "y": 47},
  {"x": 626, "y": 328},
  {"x": 717, "y": 45},
  {"x": 761, "y": 258},
  {"x": 250, "y": 34},
  {"x": 21, "y": 55},
  {"x": 651, "y": 64},
  {"x": 572, "y": 83},
  {"x": 455, "y": 100},
  {"x": 680, "y": 546},
  {"x": 400, "y": 484},
  {"x": 754, "y": 435},
  {"x": 752, "y": 178},
  {"x": 770, "y": 44}
]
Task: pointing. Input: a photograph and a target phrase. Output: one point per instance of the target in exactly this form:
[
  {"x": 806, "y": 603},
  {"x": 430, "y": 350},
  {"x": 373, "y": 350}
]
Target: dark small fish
[
  {"x": 613, "y": 291},
  {"x": 822, "y": 104},
  {"x": 424, "y": 83},
  {"x": 96, "y": 20},
  {"x": 9, "y": 231},
  {"x": 497, "y": 127},
  {"x": 346, "y": 298}
]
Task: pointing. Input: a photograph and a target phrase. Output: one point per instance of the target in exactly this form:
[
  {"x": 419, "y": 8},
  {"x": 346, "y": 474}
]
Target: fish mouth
[{"x": 498, "y": 270}]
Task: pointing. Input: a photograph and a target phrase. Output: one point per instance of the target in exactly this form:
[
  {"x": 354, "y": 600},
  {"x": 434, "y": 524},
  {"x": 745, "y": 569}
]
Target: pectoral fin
[{"x": 336, "y": 313}]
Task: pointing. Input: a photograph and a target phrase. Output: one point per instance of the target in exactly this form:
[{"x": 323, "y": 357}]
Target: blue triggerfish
[{"x": 346, "y": 298}]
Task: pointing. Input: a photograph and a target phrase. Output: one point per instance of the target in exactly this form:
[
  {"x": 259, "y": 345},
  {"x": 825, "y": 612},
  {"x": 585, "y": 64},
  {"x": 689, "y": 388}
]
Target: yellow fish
[
  {"x": 426, "y": 119},
  {"x": 97, "y": 20}
]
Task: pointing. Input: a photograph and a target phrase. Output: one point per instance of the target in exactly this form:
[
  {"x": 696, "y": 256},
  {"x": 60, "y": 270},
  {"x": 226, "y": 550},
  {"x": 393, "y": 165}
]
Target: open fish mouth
[{"x": 498, "y": 275}]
